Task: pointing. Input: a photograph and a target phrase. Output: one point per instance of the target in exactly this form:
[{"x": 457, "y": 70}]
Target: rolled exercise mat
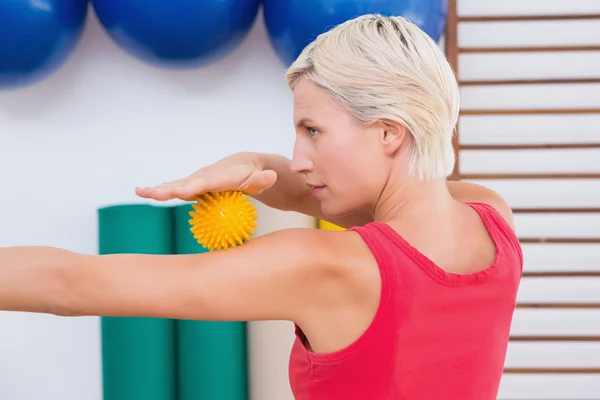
[
  {"x": 212, "y": 360},
  {"x": 138, "y": 353},
  {"x": 270, "y": 342}
]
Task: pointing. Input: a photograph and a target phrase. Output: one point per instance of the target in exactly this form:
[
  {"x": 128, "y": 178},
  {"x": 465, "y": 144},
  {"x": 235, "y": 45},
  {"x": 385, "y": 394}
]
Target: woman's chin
[{"x": 331, "y": 209}]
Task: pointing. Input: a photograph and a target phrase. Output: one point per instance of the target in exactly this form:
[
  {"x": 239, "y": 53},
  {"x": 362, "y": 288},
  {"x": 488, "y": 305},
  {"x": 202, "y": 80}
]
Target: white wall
[{"x": 85, "y": 138}]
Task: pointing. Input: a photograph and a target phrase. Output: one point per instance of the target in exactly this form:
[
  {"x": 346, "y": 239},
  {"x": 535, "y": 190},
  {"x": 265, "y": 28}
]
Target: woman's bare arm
[
  {"x": 284, "y": 275},
  {"x": 269, "y": 179}
]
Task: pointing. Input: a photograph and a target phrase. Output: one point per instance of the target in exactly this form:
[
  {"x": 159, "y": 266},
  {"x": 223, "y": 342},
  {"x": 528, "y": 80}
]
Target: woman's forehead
[{"x": 310, "y": 100}]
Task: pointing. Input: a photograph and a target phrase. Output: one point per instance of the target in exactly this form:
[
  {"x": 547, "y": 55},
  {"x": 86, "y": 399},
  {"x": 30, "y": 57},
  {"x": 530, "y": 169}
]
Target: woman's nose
[{"x": 301, "y": 163}]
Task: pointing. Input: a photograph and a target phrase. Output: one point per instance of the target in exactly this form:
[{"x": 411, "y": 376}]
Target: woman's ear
[{"x": 394, "y": 135}]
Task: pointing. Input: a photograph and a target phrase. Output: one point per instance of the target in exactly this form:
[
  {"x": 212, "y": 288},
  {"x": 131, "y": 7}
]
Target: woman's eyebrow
[{"x": 303, "y": 122}]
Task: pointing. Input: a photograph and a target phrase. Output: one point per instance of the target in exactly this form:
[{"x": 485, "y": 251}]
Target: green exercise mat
[
  {"x": 212, "y": 356},
  {"x": 138, "y": 353}
]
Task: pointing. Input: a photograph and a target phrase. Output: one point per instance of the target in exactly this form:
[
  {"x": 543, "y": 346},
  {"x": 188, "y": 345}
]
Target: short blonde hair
[{"x": 379, "y": 67}]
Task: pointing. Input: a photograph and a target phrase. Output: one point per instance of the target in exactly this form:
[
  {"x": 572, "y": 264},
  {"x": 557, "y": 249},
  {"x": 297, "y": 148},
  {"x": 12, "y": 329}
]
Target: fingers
[
  {"x": 162, "y": 192},
  {"x": 188, "y": 189},
  {"x": 191, "y": 189}
]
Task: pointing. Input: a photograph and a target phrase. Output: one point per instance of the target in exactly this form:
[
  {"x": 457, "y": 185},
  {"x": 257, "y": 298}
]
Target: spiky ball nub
[{"x": 222, "y": 220}]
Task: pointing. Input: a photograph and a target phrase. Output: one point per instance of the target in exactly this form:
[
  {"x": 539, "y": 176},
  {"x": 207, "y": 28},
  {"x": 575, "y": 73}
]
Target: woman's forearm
[
  {"x": 289, "y": 192},
  {"x": 36, "y": 279}
]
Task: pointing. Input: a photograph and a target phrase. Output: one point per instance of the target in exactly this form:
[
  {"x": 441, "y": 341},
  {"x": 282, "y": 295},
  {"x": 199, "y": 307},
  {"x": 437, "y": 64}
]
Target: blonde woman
[{"x": 413, "y": 301}]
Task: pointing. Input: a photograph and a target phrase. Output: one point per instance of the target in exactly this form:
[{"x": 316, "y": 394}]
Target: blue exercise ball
[
  {"x": 177, "y": 33},
  {"x": 37, "y": 37},
  {"x": 293, "y": 24}
]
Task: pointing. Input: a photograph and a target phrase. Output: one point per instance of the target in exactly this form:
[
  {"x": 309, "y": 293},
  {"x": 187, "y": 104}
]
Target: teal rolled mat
[
  {"x": 138, "y": 353},
  {"x": 212, "y": 356}
]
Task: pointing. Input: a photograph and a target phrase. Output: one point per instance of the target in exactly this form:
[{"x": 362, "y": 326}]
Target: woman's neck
[{"x": 415, "y": 198}]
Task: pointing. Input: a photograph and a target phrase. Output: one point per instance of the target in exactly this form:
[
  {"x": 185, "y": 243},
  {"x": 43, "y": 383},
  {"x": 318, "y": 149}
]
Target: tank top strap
[
  {"x": 379, "y": 246},
  {"x": 497, "y": 227}
]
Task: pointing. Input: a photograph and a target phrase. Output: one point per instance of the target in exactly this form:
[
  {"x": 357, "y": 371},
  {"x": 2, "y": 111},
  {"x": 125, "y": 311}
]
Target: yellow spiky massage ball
[{"x": 222, "y": 220}]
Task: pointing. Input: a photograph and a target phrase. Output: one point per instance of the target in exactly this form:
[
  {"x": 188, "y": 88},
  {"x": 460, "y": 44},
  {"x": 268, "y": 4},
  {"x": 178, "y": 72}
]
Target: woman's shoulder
[
  {"x": 338, "y": 252},
  {"x": 467, "y": 192}
]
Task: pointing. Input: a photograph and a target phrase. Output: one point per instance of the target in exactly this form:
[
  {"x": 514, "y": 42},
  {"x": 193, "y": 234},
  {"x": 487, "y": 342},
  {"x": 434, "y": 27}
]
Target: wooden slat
[
  {"x": 527, "y": 49},
  {"x": 562, "y": 355},
  {"x": 553, "y": 175},
  {"x": 549, "y": 291},
  {"x": 552, "y": 371},
  {"x": 526, "y": 111},
  {"x": 555, "y": 322},
  {"x": 507, "y": 18},
  {"x": 549, "y": 387},
  {"x": 559, "y": 305},
  {"x": 560, "y": 146},
  {"x": 524, "y": 338},
  {"x": 529, "y": 81},
  {"x": 561, "y": 274},
  {"x": 554, "y": 210},
  {"x": 560, "y": 240}
]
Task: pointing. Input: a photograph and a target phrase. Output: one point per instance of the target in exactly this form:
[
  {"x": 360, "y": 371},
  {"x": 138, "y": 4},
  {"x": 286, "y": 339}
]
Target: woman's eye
[{"x": 312, "y": 131}]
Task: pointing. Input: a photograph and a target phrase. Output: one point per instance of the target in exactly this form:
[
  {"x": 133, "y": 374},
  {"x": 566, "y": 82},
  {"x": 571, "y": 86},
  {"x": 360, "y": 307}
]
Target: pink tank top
[{"x": 436, "y": 335}]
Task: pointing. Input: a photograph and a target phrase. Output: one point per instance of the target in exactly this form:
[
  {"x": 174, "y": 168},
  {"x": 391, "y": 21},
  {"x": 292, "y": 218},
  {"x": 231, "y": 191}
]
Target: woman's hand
[{"x": 240, "y": 171}]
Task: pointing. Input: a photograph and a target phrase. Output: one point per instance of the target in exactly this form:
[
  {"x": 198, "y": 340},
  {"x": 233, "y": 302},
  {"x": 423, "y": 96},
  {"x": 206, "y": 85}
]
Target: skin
[{"x": 331, "y": 291}]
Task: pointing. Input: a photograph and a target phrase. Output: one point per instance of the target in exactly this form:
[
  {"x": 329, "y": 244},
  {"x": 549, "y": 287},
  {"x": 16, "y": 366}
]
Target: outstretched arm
[
  {"x": 269, "y": 179},
  {"x": 266, "y": 177},
  {"x": 283, "y": 275}
]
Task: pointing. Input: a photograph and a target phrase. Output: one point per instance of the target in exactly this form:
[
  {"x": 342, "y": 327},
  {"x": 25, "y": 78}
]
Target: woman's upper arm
[{"x": 275, "y": 276}]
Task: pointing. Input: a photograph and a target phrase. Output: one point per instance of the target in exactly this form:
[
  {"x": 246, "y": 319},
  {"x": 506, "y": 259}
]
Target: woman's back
[{"x": 436, "y": 334}]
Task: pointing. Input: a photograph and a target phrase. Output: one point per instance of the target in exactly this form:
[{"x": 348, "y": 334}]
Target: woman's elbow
[{"x": 69, "y": 287}]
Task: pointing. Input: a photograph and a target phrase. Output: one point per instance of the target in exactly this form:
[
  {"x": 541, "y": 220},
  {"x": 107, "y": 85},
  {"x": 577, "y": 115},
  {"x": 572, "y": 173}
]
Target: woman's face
[{"x": 346, "y": 165}]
